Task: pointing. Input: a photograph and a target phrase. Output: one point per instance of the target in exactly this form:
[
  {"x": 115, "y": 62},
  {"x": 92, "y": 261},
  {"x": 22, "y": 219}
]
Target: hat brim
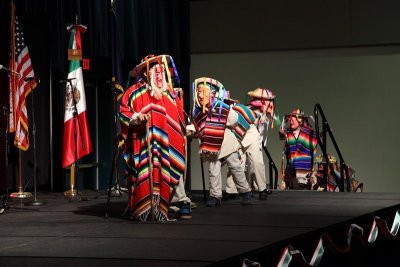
[
  {"x": 211, "y": 81},
  {"x": 252, "y": 94},
  {"x": 297, "y": 116},
  {"x": 260, "y": 97},
  {"x": 140, "y": 68},
  {"x": 215, "y": 84}
]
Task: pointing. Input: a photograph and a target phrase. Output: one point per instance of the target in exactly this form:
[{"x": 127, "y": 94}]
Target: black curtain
[{"x": 145, "y": 26}]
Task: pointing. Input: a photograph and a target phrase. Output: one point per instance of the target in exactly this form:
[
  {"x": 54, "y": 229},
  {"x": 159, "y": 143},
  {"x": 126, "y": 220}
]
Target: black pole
[
  {"x": 202, "y": 177},
  {"x": 327, "y": 129},
  {"x": 6, "y": 112},
  {"x": 272, "y": 169},
  {"x": 117, "y": 137},
  {"x": 35, "y": 202},
  {"x": 114, "y": 164},
  {"x": 325, "y": 166},
  {"x": 115, "y": 156}
]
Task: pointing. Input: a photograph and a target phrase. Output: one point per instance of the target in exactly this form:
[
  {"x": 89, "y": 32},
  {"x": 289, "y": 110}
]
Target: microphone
[
  {"x": 33, "y": 78},
  {"x": 7, "y": 69}
]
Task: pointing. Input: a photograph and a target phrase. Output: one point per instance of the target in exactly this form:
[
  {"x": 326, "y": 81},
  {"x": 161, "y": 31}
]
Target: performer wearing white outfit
[
  {"x": 262, "y": 103},
  {"x": 219, "y": 128}
]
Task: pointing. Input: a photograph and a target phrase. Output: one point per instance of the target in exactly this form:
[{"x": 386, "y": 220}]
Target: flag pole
[
  {"x": 20, "y": 193},
  {"x": 74, "y": 94},
  {"x": 73, "y": 194}
]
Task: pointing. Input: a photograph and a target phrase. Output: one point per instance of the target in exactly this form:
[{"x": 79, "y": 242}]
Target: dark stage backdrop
[{"x": 145, "y": 26}]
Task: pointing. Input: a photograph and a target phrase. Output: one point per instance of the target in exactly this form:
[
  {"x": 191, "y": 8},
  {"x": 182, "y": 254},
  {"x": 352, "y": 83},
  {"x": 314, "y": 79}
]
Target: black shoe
[
  {"x": 5, "y": 201},
  {"x": 174, "y": 207},
  {"x": 246, "y": 198},
  {"x": 213, "y": 202},
  {"x": 263, "y": 195},
  {"x": 227, "y": 196},
  {"x": 185, "y": 211}
]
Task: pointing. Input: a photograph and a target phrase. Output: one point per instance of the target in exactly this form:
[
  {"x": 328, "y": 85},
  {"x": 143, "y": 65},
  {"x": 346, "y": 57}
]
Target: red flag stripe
[{"x": 20, "y": 89}]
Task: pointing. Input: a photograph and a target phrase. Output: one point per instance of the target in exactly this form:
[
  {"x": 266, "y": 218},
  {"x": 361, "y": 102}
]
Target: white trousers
[
  {"x": 180, "y": 193},
  {"x": 255, "y": 172},
  {"x": 235, "y": 167}
]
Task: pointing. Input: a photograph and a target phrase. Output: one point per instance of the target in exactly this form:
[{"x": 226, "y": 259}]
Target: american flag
[{"x": 19, "y": 88}]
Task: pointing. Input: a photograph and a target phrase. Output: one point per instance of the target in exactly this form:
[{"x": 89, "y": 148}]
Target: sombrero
[
  {"x": 149, "y": 60},
  {"x": 298, "y": 113},
  {"x": 263, "y": 94},
  {"x": 215, "y": 84}
]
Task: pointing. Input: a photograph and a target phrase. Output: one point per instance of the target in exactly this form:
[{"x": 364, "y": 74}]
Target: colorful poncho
[
  {"x": 246, "y": 117},
  {"x": 210, "y": 126},
  {"x": 300, "y": 151},
  {"x": 167, "y": 150}
]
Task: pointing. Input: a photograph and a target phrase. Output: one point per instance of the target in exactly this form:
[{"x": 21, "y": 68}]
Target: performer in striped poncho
[
  {"x": 262, "y": 103},
  {"x": 300, "y": 150},
  {"x": 152, "y": 124},
  {"x": 218, "y": 128}
]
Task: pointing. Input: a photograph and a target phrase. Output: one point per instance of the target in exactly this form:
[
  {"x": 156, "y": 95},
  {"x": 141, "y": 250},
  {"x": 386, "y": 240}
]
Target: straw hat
[
  {"x": 263, "y": 94},
  {"x": 149, "y": 60},
  {"x": 298, "y": 113},
  {"x": 216, "y": 87},
  {"x": 215, "y": 84}
]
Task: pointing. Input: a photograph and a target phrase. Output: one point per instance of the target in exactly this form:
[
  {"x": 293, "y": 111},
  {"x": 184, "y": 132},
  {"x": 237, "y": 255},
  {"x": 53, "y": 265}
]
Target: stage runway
[{"x": 74, "y": 234}]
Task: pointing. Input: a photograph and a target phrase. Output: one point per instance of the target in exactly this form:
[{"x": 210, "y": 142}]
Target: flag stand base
[
  {"x": 117, "y": 191},
  {"x": 21, "y": 194},
  {"x": 72, "y": 194},
  {"x": 35, "y": 203}
]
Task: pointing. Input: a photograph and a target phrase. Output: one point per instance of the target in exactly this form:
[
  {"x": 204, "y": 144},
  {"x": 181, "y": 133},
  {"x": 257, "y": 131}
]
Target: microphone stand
[
  {"x": 73, "y": 194},
  {"x": 6, "y": 110},
  {"x": 35, "y": 202},
  {"x": 115, "y": 191}
]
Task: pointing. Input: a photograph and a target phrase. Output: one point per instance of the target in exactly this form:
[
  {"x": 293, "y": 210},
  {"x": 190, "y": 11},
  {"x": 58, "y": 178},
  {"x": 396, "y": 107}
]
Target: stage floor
[{"x": 64, "y": 233}]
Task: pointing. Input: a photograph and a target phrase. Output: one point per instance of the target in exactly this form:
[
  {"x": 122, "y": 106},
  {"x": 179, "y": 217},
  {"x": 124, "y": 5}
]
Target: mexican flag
[{"x": 76, "y": 141}]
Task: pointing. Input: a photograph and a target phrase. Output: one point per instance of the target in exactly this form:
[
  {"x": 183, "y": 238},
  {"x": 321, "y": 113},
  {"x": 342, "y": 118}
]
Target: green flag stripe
[
  {"x": 74, "y": 65},
  {"x": 72, "y": 38}
]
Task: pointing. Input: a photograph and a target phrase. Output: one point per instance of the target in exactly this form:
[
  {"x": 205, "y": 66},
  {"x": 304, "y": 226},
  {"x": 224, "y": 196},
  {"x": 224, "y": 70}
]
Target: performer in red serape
[{"x": 152, "y": 120}]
